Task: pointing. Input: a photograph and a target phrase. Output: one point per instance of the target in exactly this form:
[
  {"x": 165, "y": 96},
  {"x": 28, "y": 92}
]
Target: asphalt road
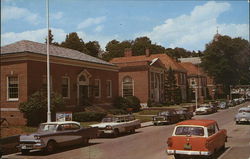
[{"x": 150, "y": 143}]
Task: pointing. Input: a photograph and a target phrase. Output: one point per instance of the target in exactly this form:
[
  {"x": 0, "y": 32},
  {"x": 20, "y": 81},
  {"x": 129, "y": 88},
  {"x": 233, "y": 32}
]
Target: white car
[
  {"x": 203, "y": 109},
  {"x": 118, "y": 124}
]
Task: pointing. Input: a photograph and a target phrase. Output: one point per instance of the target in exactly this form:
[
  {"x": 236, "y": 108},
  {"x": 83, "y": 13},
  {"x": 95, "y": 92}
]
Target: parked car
[
  {"x": 236, "y": 101},
  {"x": 222, "y": 105},
  {"x": 184, "y": 114},
  {"x": 115, "y": 125},
  {"x": 200, "y": 138},
  {"x": 243, "y": 115},
  {"x": 214, "y": 107},
  {"x": 166, "y": 117},
  {"x": 231, "y": 103},
  {"x": 53, "y": 134},
  {"x": 204, "y": 109}
]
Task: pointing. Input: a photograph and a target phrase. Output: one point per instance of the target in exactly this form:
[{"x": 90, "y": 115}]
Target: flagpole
[{"x": 48, "y": 65}]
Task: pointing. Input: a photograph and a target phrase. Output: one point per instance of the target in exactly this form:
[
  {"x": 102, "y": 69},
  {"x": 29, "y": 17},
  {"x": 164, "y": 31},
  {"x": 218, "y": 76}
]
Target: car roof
[
  {"x": 245, "y": 108},
  {"x": 200, "y": 122},
  {"x": 62, "y": 122}
]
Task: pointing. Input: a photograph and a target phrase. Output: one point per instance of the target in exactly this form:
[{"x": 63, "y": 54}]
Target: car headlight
[
  {"x": 37, "y": 137},
  {"x": 108, "y": 127}
]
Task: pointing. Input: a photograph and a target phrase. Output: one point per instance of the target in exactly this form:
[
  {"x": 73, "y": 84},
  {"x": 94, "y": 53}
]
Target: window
[
  {"x": 12, "y": 86},
  {"x": 109, "y": 88},
  {"x": 127, "y": 87},
  {"x": 65, "y": 87},
  {"x": 189, "y": 130},
  {"x": 97, "y": 88},
  {"x": 44, "y": 83},
  {"x": 211, "y": 130}
]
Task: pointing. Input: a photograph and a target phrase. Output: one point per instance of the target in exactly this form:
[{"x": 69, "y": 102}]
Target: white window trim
[
  {"x": 110, "y": 89},
  {"x": 68, "y": 87},
  {"x": 12, "y": 99},
  {"x": 99, "y": 88},
  {"x": 132, "y": 84}
]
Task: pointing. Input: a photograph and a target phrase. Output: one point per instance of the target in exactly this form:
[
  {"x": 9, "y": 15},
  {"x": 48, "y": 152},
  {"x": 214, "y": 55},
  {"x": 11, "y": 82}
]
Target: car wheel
[
  {"x": 177, "y": 156},
  {"x": 51, "y": 147},
  {"x": 132, "y": 131},
  {"x": 24, "y": 151},
  {"x": 85, "y": 141},
  {"x": 237, "y": 122},
  {"x": 116, "y": 132}
]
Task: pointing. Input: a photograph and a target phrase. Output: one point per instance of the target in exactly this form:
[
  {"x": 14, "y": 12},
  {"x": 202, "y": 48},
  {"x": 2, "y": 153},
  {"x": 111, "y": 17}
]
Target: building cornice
[{"x": 12, "y": 57}]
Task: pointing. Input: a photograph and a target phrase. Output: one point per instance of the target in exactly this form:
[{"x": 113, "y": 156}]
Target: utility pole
[{"x": 48, "y": 65}]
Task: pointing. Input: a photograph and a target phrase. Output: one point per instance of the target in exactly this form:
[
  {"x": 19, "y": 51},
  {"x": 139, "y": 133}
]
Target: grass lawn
[{"x": 143, "y": 118}]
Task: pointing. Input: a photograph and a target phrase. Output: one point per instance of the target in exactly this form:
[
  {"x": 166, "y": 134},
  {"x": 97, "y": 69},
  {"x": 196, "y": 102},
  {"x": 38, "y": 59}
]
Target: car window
[
  {"x": 211, "y": 130},
  {"x": 189, "y": 130},
  {"x": 164, "y": 113},
  {"x": 47, "y": 127},
  {"x": 75, "y": 127},
  {"x": 244, "y": 111}
]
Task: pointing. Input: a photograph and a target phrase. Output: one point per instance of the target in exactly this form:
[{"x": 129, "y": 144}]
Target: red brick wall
[
  {"x": 37, "y": 69},
  {"x": 7, "y": 69},
  {"x": 141, "y": 84}
]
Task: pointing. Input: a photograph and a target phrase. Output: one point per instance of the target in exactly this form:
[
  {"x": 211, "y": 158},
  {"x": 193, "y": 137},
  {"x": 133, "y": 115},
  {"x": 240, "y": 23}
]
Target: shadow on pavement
[{"x": 59, "y": 150}]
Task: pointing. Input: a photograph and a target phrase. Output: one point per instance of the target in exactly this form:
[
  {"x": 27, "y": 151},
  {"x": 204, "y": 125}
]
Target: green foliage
[
  {"x": 140, "y": 45},
  {"x": 35, "y": 109},
  {"x": 128, "y": 102},
  {"x": 133, "y": 102},
  {"x": 93, "y": 48},
  {"x": 228, "y": 61},
  {"x": 73, "y": 41},
  {"x": 120, "y": 103},
  {"x": 117, "y": 111},
  {"x": 88, "y": 116}
]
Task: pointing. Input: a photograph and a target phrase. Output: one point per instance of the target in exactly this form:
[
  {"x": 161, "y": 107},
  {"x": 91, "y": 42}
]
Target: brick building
[
  {"x": 197, "y": 79},
  {"x": 148, "y": 74},
  {"x": 76, "y": 76}
]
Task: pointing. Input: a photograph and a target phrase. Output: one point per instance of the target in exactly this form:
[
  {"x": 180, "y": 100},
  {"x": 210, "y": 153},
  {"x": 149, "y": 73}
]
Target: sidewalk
[{"x": 146, "y": 124}]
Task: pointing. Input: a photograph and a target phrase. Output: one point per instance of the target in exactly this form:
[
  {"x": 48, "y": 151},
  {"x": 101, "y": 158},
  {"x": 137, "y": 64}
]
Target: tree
[
  {"x": 93, "y": 48},
  {"x": 228, "y": 61},
  {"x": 172, "y": 92},
  {"x": 35, "y": 109},
  {"x": 73, "y": 41},
  {"x": 139, "y": 45}
]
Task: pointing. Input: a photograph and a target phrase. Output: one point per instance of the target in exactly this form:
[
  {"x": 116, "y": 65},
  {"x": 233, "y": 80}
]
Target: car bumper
[
  {"x": 32, "y": 146},
  {"x": 161, "y": 122},
  {"x": 242, "y": 119},
  {"x": 184, "y": 152}
]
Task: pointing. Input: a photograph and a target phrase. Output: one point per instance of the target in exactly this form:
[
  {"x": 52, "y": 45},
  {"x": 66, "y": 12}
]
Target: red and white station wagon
[{"x": 196, "y": 138}]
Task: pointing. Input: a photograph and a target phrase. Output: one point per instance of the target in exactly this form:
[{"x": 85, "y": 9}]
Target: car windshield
[
  {"x": 47, "y": 127},
  {"x": 189, "y": 130},
  {"x": 244, "y": 111},
  {"x": 163, "y": 113}
]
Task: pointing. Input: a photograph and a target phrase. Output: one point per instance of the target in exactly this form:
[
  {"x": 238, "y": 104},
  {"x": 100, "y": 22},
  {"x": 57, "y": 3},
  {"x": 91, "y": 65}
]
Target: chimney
[
  {"x": 128, "y": 52},
  {"x": 147, "y": 52}
]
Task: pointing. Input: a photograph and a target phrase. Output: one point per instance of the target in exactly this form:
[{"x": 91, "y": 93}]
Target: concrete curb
[{"x": 146, "y": 124}]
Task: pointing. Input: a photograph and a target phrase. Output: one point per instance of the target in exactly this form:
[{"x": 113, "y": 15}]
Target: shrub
[
  {"x": 117, "y": 111},
  {"x": 35, "y": 109},
  {"x": 120, "y": 103},
  {"x": 88, "y": 116},
  {"x": 133, "y": 102}
]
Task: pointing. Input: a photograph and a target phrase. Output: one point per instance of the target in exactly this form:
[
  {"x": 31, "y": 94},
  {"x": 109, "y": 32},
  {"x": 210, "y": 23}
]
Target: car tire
[
  {"x": 51, "y": 147},
  {"x": 132, "y": 131},
  {"x": 116, "y": 132},
  {"x": 85, "y": 141},
  {"x": 25, "y": 152},
  {"x": 237, "y": 122},
  {"x": 177, "y": 156}
]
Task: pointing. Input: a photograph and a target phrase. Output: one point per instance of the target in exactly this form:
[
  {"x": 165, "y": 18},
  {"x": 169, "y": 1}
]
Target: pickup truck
[
  {"x": 192, "y": 138},
  {"x": 115, "y": 125},
  {"x": 53, "y": 134}
]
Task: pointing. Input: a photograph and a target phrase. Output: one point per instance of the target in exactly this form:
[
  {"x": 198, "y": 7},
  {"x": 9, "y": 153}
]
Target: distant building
[
  {"x": 78, "y": 77},
  {"x": 148, "y": 74}
]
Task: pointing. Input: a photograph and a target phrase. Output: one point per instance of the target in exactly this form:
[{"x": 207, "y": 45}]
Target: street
[{"x": 150, "y": 142}]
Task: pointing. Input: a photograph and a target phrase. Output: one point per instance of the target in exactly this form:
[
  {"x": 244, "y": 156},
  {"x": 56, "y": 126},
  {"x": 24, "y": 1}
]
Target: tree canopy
[{"x": 228, "y": 61}]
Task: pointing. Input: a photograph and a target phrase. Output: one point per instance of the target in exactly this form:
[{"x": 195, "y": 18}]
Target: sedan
[
  {"x": 166, "y": 117},
  {"x": 243, "y": 115}
]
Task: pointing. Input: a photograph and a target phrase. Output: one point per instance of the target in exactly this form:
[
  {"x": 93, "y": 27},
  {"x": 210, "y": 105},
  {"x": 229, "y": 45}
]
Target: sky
[{"x": 189, "y": 24}]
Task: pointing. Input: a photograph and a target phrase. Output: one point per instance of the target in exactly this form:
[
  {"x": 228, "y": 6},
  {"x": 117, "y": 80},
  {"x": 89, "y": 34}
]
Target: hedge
[{"x": 88, "y": 116}]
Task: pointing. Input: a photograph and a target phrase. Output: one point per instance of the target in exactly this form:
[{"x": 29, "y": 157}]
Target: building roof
[
  {"x": 192, "y": 69},
  {"x": 165, "y": 59},
  {"x": 200, "y": 122},
  {"x": 40, "y": 48},
  {"x": 193, "y": 60}
]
